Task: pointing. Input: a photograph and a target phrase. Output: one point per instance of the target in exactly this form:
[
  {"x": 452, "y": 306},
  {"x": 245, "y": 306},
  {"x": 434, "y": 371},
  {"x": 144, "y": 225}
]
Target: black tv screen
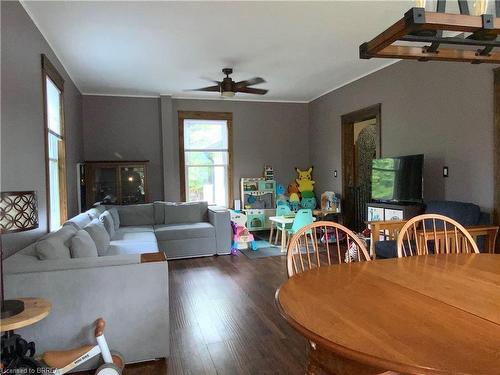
[{"x": 398, "y": 179}]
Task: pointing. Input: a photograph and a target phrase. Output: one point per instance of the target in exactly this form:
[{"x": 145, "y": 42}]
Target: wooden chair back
[
  {"x": 434, "y": 234},
  {"x": 306, "y": 251}
]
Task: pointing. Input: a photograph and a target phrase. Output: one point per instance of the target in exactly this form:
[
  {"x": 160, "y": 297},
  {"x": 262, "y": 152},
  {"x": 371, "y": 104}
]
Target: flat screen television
[{"x": 398, "y": 179}]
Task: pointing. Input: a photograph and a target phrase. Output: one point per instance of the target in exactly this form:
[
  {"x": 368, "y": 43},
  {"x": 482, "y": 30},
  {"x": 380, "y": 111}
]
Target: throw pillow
[
  {"x": 82, "y": 245},
  {"x": 107, "y": 220},
  {"x": 116, "y": 218},
  {"x": 55, "y": 245},
  {"x": 100, "y": 236}
]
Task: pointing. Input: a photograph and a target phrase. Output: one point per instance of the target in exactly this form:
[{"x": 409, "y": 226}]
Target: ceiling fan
[{"x": 228, "y": 88}]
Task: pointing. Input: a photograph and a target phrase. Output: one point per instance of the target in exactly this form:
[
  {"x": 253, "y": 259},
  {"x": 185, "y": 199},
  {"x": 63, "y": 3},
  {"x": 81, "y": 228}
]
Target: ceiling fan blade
[
  {"x": 250, "y": 90},
  {"x": 210, "y": 80},
  {"x": 215, "y": 88},
  {"x": 250, "y": 82}
]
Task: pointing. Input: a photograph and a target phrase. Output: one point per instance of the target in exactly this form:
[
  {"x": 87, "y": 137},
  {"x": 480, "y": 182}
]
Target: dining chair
[
  {"x": 281, "y": 210},
  {"x": 337, "y": 244},
  {"x": 434, "y": 234},
  {"x": 302, "y": 218}
]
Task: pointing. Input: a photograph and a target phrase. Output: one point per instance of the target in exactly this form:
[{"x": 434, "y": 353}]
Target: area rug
[{"x": 264, "y": 250}]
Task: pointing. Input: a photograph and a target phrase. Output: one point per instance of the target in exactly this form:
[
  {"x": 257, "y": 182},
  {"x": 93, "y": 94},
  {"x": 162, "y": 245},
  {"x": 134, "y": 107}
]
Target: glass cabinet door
[
  {"x": 106, "y": 185},
  {"x": 132, "y": 185}
]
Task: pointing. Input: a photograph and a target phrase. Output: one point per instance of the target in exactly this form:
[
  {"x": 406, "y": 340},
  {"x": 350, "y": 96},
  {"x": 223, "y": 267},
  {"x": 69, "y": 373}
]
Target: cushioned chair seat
[
  {"x": 386, "y": 249},
  {"x": 184, "y": 231}
]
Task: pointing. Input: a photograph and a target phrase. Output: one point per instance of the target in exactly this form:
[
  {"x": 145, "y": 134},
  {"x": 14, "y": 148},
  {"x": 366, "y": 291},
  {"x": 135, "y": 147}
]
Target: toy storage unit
[{"x": 258, "y": 197}]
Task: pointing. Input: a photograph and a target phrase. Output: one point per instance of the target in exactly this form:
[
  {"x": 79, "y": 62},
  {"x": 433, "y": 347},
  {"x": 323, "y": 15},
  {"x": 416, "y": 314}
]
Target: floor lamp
[{"x": 18, "y": 213}]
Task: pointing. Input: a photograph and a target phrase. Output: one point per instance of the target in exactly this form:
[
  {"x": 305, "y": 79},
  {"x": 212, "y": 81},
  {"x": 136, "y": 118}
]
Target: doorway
[
  {"x": 361, "y": 143},
  {"x": 496, "y": 137}
]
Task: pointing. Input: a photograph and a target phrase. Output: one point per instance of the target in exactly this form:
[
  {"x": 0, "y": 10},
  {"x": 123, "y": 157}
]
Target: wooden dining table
[{"x": 436, "y": 314}]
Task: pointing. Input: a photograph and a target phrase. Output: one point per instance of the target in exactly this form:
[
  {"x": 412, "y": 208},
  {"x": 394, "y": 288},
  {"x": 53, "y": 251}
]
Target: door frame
[
  {"x": 347, "y": 133},
  {"x": 496, "y": 155}
]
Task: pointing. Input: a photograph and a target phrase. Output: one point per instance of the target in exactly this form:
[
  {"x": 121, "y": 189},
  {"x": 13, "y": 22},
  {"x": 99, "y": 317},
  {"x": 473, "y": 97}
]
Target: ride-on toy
[{"x": 63, "y": 361}]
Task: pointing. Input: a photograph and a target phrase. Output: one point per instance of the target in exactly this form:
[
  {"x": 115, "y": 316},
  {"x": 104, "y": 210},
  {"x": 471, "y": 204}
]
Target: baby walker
[
  {"x": 241, "y": 236},
  {"x": 63, "y": 361}
]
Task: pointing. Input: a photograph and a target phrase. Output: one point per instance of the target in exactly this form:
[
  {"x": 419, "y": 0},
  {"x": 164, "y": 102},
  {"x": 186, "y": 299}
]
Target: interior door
[{"x": 355, "y": 187}]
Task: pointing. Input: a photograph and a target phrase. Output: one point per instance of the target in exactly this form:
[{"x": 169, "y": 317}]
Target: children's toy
[
  {"x": 305, "y": 180},
  {"x": 330, "y": 202},
  {"x": 259, "y": 202},
  {"x": 352, "y": 253},
  {"x": 293, "y": 196},
  {"x": 61, "y": 362},
  {"x": 309, "y": 203},
  {"x": 281, "y": 198},
  {"x": 268, "y": 173},
  {"x": 241, "y": 235}
]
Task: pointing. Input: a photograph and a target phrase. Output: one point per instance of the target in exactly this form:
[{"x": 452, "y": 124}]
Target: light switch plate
[
  {"x": 445, "y": 171},
  {"x": 335, "y": 173}
]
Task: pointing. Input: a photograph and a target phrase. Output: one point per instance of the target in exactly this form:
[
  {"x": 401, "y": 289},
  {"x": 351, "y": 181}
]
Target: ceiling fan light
[{"x": 227, "y": 94}]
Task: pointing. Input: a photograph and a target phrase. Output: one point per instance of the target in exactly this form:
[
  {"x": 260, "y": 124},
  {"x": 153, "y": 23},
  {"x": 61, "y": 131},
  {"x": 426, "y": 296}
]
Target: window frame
[
  {"x": 199, "y": 115},
  {"x": 50, "y": 72}
]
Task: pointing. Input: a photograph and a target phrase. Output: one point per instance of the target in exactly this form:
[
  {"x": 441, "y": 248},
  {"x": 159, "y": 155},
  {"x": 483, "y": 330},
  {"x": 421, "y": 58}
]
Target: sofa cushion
[
  {"x": 82, "y": 245},
  {"x": 100, "y": 236},
  {"x": 136, "y": 214},
  {"x": 184, "y": 231},
  {"x": 108, "y": 222},
  {"x": 465, "y": 213},
  {"x": 96, "y": 211},
  {"x": 159, "y": 212},
  {"x": 124, "y": 234},
  {"x": 119, "y": 247},
  {"x": 116, "y": 218},
  {"x": 56, "y": 245},
  {"x": 79, "y": 221},
  {"x": 188, "y": 212}
]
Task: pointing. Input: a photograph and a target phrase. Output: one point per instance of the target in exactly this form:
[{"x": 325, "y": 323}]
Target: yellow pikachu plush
[{"x": 304, "y": 180}]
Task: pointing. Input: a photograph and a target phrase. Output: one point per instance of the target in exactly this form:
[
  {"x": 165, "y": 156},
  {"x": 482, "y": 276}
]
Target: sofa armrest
[
  {"x": 488, "y": 232},
  {"x": 132, "y": 298},
  {"x": 221, "y": 220}
]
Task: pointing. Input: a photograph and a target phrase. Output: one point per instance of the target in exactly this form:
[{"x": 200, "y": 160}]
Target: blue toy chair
[{"x": 302, "y": 218}]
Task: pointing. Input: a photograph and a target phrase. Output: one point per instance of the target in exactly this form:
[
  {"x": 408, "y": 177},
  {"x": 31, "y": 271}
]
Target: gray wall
[
  {"x": 125, "y": 128},
  {"x": 22, "y": 123},
  {"x": 443, "y": 110},
  {"x": 263, "y": 133}
]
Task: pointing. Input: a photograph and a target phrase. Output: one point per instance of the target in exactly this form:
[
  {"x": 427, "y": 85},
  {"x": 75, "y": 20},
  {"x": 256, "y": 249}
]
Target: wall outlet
[{"x": 445, "y": 171}]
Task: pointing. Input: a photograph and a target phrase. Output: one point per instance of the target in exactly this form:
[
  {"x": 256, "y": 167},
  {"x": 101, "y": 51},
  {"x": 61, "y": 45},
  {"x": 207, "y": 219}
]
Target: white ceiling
[{"x": 302, "y": 49}]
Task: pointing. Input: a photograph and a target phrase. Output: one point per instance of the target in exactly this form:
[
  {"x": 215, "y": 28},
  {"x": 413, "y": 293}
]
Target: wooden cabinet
[{"x": 115, "y": 182}]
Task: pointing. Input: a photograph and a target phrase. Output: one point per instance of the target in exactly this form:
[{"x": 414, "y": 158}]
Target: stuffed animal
[
  {"x": 304, "y": 180},
  {"x": 309, "y": 203},
  {"x": 281, "y": 198},
  {"x": 293, "y": 196}
]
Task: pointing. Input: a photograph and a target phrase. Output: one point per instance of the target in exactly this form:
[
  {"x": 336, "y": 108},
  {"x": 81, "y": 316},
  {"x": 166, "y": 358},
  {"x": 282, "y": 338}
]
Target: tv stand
[{"x": 393, "y": 211}]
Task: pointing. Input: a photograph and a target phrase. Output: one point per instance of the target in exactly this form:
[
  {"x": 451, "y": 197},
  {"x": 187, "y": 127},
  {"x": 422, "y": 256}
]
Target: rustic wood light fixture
[{"x": 475, "y": 43}]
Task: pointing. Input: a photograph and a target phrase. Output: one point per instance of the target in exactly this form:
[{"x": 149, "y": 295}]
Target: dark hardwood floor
[{"x": 223, "y": 320}]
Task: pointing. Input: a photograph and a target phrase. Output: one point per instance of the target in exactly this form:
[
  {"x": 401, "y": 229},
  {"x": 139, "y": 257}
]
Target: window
[
  {"x": 53, "y": 88},
  {"x": 205, "y": 157}
]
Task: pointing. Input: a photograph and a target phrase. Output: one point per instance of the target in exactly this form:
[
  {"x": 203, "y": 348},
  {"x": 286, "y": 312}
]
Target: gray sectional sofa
[{"x": 93, "y": 266}]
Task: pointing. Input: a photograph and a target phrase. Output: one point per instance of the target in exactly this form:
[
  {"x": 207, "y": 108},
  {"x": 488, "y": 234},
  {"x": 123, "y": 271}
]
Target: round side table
[{"x": 16, "y": 352}]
